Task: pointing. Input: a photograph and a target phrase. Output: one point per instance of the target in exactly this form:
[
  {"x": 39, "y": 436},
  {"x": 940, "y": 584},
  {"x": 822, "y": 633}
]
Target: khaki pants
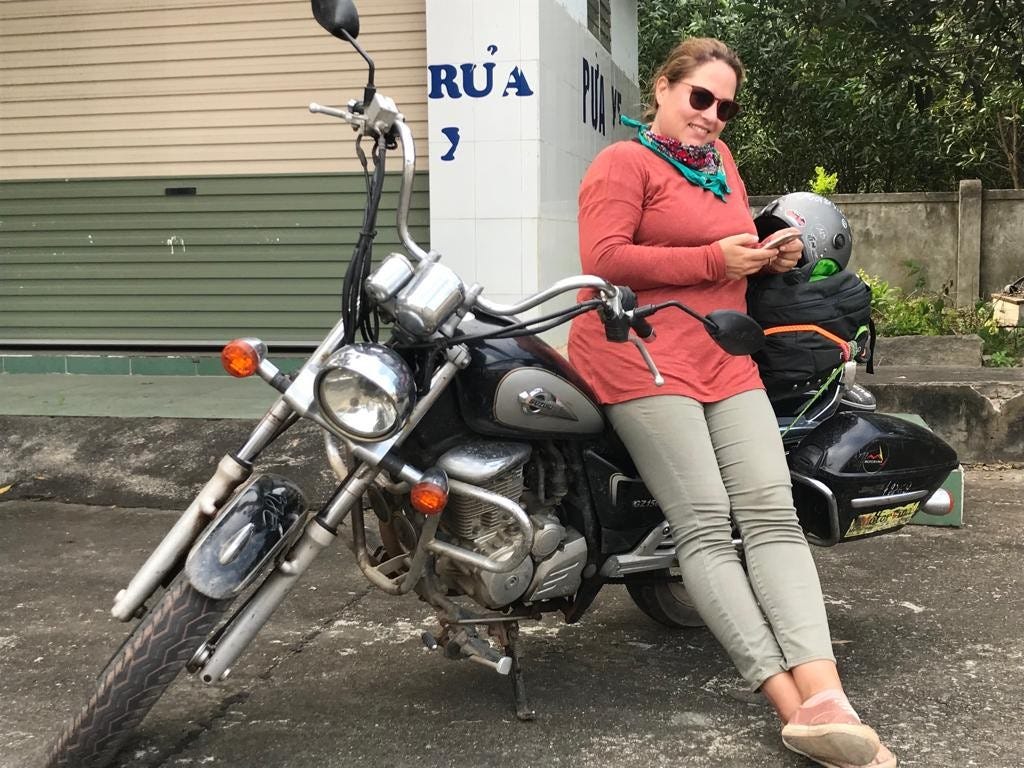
[{"x": 707, "y": 465}]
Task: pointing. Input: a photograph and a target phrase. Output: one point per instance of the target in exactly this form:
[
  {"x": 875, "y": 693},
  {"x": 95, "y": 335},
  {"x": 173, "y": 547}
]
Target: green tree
[{"x": 890, "y": 94}]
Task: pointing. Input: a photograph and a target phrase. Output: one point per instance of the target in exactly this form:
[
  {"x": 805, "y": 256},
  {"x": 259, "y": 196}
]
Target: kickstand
[{"x": 509, "y": 637}]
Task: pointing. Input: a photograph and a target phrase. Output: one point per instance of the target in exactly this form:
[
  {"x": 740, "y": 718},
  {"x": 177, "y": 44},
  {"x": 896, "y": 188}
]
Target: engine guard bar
[{"x": 427, "y": 542}]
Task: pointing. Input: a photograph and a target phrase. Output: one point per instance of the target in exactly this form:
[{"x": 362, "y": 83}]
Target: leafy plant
[
  {"x": 1002, "y": 359},
  {"x": 823, "y": 183},
  {"x": 924, "y": 313}
]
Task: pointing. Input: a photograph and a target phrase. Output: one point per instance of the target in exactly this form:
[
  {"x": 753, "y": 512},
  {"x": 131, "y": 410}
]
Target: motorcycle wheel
[
  {"x": 667, "y": 602},
  {"x": 157, "y": 650}
]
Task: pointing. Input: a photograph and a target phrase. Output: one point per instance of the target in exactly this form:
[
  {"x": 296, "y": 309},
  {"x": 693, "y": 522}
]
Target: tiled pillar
[{"x": 512, "y": 123}]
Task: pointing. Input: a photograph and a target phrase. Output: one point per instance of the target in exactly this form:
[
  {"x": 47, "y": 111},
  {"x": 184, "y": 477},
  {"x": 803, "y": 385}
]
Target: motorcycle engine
[{"x": 498, "y": 466}]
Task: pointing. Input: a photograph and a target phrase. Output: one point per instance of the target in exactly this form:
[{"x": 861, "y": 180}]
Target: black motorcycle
[{"x": 475, "y": 468}]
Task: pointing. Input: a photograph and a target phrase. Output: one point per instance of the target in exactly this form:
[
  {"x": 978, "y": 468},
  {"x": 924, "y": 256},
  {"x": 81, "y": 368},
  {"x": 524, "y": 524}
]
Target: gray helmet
[{"x": 826, "y": 232}]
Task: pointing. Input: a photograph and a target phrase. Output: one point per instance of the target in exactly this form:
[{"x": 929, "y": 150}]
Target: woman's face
[{"x": 677, "y": 119}]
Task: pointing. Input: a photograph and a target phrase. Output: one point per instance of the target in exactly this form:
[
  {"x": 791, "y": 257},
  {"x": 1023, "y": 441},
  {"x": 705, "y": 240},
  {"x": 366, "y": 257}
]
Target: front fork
[
  {"x": 216, "y": 658},
  {"x": 231, "y": 472}
]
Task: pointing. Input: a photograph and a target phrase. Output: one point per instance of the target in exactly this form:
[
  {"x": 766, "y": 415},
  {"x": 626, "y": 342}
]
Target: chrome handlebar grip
[
  {"x": 344, "y": 114},
  {"x": 609, "y": 292},
  {"x": 405, "y": 195}
]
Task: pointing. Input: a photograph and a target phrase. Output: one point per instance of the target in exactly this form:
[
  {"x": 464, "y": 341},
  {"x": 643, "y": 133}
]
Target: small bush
[
  {"x": 924, "y": 313},
  {"x": 823, "y": 183}
]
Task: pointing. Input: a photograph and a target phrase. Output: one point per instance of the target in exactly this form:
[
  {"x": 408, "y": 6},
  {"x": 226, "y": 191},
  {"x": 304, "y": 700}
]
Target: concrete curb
[
  {"x": 978, "y": 411},
  {"x": 162, "y": 461},
  {"x": 156, "y": 463}
]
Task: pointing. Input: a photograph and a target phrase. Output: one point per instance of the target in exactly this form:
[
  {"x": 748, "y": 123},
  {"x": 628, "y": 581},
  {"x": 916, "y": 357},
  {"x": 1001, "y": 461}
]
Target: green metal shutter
[{"x": 138, "y": 262}]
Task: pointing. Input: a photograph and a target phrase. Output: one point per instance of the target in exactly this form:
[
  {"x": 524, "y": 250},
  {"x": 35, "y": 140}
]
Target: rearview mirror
[
  {"x": 339, "y": 17},
  {"x": 735, "y": 332}
]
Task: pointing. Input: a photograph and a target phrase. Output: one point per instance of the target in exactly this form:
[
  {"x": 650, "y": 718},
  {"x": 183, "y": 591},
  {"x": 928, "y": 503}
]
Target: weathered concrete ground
[{"x": 927, "y": 626}]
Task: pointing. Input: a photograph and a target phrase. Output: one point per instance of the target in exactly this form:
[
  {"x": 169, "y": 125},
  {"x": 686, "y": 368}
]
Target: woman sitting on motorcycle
[{"x": 667, "y": 214}]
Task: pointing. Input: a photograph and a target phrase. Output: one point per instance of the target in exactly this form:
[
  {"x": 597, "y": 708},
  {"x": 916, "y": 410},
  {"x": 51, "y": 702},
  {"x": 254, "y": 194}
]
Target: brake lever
[{"x": 642, "y": 348}]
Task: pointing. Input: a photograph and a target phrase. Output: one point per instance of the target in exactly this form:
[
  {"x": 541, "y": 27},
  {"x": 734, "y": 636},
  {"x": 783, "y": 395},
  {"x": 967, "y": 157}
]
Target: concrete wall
[
  {"x": 1002, "y": 238},
  {"x": 969, "y": 242}
]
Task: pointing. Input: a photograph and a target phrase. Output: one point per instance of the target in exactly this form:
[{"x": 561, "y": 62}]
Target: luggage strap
[
  {"x": 814, "y": 398},
  {"x": 849, "y": 349}
]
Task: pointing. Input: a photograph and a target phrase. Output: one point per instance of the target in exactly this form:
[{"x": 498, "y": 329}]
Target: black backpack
[{"x": 809, "y": 325}]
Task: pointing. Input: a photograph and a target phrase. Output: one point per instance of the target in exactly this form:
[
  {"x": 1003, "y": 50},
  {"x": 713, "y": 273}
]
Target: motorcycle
[{"x": 475, "y": 469}]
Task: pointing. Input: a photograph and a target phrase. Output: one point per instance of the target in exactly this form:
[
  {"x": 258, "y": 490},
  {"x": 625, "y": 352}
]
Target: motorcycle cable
[
  {"x": 358, "y": 312},
  {"x": 648, "y": 310},
  {"x": 515, "y": 330}
]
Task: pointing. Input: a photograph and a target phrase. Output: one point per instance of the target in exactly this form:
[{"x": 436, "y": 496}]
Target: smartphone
[{"x": 774, "y": 241}]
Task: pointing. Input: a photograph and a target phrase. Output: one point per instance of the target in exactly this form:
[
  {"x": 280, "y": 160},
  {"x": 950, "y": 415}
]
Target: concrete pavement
[{"x": 926, "y": 625}]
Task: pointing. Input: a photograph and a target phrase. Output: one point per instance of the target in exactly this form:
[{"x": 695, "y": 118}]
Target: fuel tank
[{"x": 521, "y": 387}]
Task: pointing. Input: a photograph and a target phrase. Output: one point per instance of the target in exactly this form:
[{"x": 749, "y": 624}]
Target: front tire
[
  {"x": 157, "y": 650},
  {"x": 667, "y": 602}
]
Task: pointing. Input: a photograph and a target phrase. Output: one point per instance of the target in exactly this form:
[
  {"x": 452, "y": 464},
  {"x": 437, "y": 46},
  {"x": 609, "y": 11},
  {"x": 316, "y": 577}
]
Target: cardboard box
[{"x": 1007, "y": 310}]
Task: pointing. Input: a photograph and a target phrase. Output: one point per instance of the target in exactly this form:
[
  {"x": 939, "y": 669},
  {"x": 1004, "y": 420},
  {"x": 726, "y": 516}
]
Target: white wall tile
[
  {"x": 559, "y": 246},
  {"x": 529, "y": 31},
  {"x": 576, "y": 9},
  {"x": 455, "y": 240},
  {"x": 499, "y": 118},
  {"x": 530, "y": 112},
  {"x": 498, "y": 24},
  {"x": 498, "y": 182},
  {"x": 452, "y": 184},
  {"x": 447, "y": 22},
  {"x": 500, "y": 254},
  {"x": 625, "y": 48},
  {"x": 531, "y": 245},
  {"x": 517, "y": 169},
  {"x": 529, "y": 157}
]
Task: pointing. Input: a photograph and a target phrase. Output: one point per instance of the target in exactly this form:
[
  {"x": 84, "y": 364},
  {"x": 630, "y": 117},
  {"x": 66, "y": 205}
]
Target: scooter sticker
[{"x": 881, "y": 520}]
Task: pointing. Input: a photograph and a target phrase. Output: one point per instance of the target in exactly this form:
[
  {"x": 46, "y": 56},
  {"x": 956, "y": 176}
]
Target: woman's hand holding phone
[
  {"x": 788, "y": 246},
  {"x": 778, "y": 239}
]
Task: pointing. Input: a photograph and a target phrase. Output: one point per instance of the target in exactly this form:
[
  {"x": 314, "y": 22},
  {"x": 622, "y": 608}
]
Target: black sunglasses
[{"x": 702, "y": 98}]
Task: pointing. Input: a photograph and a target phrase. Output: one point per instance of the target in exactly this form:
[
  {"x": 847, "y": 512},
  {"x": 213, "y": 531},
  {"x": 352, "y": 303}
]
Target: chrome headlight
[{"x": 366, "y": 390}]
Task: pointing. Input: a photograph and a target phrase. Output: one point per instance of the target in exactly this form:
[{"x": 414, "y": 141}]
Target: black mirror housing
[
  {"x": 339, "y": 17},
  {"x": 735, "y": 332}
]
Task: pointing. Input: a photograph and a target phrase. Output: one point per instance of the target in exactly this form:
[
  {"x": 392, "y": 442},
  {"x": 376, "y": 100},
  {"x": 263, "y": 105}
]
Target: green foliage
[
  {"x": 1002, "y": 359},
  {"x": 892, "y": 96},
  {"x": 931, "y": 314},
  {"x": 823, "y": 183}
]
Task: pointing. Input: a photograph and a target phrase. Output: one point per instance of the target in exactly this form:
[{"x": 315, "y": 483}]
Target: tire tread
[{"x": 158, "y": 649}]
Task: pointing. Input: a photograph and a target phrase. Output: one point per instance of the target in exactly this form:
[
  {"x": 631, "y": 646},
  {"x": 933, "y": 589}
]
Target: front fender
[{"x": 262, "y": 517}]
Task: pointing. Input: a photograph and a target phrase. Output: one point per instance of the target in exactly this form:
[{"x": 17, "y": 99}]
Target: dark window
[{"x": 599, "y": 21}]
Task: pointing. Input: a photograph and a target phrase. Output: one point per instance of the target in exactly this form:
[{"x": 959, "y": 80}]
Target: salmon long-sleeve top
[{"x": 642, "y": 224}]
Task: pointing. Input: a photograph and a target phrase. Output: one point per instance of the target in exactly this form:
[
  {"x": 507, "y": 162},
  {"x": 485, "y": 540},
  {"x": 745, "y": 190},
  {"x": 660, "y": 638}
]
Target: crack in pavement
[{"x": 319, "y": 628}]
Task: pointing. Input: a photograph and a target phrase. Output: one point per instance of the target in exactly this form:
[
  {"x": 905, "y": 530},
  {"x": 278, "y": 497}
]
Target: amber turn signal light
[
  {"x": 240, "y": 358},
  {"x": 430, "y": 495}
]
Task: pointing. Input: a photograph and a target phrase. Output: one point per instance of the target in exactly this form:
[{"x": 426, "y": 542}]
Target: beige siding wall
[{"x": 114, "y": 88}]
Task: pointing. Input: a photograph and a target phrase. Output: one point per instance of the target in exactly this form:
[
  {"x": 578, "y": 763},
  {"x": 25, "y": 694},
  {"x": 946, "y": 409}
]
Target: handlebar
[
  {"x": 381, "y": 117},
  {"x": 610, "y": 294}
]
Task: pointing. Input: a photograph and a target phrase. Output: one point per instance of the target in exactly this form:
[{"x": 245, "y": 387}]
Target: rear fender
[{"x": 262, "y": 518}]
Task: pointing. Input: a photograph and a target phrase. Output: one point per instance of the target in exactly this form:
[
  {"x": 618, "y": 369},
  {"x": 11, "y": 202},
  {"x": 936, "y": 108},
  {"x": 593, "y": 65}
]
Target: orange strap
[{"x": 812, "y": 329}]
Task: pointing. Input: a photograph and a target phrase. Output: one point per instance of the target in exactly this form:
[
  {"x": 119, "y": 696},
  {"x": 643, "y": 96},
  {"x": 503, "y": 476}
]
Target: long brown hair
[{"x": 682, "y": 60}]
